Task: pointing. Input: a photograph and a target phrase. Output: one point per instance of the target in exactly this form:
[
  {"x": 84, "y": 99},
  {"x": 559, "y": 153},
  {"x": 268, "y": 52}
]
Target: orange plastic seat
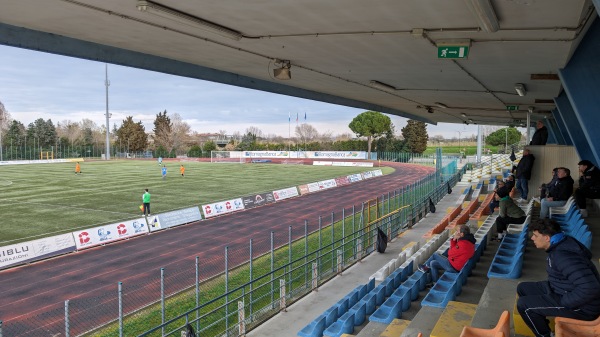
[
  {"x": 502, "y": 329},
  {"x": 567, "y": 327}
]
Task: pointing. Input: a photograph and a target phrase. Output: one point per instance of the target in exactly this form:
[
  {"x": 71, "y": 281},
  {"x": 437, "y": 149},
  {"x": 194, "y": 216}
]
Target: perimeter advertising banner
[
  {"x": 108, "y": 233},
  {"x": 377, "y": 173},
  {"x": 355, "y": 177},
  {"x": 342, "y": 163},
  {"x": 36, "y": 250},
  {"x": 257, "y": 200},
  {"x": 341, "y": 181},
  {"x": 337, "y": 154},
  {"x": 367, "y": 175},
  {"x": 266, "y": 154},
  {"x": 174, "y": 218},
  {"x": 222, "y": 207},
  {"x": 285, "y": 193}
]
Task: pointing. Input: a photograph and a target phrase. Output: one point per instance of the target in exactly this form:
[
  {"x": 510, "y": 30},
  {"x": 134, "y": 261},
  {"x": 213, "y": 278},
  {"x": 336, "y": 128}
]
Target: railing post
[
  {"x": 343, "y": 232},
  {"x": 339, "y": 262},
  {"x": 305, "y": 253},
  {"x": 251, "y": 275},
  {"x": 227, "y": 289},
  {"x": 1, "y": 321},
  {"x": 332, "y": 243},
  {"x": 120, "y": 295},
  {"x": 272, "y": 269},
  {"x": 197, "y": 288},
  {"x": 241, "y": 319},
  {"x": 67, "y": 327},
  {"x": 290, "y": 256},
  {"x": 315, "y": 276},
  {"x": 282, "y": 304},
  {"x": 162, "y": 299}
]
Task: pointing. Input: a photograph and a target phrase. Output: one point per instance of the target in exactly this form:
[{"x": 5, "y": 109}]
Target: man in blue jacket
[{"x": 573, "y": 286}]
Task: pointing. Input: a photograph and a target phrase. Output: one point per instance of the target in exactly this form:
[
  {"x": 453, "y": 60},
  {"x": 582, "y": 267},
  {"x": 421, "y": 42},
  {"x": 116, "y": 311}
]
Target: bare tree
[
  {"x": 179, "y": 131},
  {"x": 254, "y": 131},
  {"x": 306, "y": 133}
]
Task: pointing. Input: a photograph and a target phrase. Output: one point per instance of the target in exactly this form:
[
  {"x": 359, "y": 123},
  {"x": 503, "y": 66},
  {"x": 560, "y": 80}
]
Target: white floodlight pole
[{"x": 107, "y": 83}]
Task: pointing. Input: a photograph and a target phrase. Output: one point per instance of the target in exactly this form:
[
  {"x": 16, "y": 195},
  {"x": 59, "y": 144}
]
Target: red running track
[{"x": 33, "y": 296}]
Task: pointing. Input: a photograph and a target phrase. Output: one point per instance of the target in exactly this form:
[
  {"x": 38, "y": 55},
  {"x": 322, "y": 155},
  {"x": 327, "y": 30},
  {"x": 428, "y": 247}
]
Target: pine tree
[{"x": 415, "y": 135}]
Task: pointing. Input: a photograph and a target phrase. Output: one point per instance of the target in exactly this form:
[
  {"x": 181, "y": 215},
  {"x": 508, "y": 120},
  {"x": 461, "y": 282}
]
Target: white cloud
[{"x": 40, "y": 85}]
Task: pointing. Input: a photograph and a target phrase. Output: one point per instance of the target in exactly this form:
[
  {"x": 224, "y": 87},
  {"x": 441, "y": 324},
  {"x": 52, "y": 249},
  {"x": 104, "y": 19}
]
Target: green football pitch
[{"x": 38, "y": 200}]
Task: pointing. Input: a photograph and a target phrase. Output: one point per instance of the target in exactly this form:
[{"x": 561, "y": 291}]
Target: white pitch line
[{"x": 16, "y": 202}]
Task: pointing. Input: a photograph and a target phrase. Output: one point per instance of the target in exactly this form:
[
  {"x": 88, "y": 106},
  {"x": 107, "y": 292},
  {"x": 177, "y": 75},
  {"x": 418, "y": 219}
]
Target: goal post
[{"x": 235, "y": 157}]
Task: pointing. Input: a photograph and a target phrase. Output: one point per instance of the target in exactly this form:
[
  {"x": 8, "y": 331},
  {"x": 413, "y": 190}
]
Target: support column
[
  {"x": 562, "y": 127},
  {"x": 573, "y": 127}
]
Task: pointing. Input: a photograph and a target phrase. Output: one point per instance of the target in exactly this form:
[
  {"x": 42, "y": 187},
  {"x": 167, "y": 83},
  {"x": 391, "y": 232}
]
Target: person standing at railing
[
  {"x": 573, "y": 286},
  {"x": 540, "y": 137},
  {"x": 523, "y": 173}
]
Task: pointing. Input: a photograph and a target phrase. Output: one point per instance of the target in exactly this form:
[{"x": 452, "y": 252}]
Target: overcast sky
[{"x": 40, "y": 85}]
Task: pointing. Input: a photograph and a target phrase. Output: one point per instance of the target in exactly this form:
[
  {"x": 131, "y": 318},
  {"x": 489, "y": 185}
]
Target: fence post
[
  {"x": 120, "y": 295},
  {"x": 320, "y": 239},
  {"x": 343, "y": 232},
  {"x": 339, "y": 262},
  {"x": 332, "y": 242},
  {"x": 162, "y": 299},
  {"x": 282, "y": 304},
  {"x": 315, "y": 275},
  {"x": 197, "y": 294},
  {"x": 290, "y": 267},
  {"x": 272, "y": 269},
  {"x": 241, "y": 319},
  {"x": 1, "y": 321},
  {"x": 251, "y": 284},
  {"x": 227, "y": 289},
  {"x": 67, "y": 327},
  {"x": 305, "y": 253}
]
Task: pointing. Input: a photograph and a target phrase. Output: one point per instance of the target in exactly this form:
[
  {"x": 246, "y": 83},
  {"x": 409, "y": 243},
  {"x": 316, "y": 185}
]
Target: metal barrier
[{"x": 250, "y": 283}]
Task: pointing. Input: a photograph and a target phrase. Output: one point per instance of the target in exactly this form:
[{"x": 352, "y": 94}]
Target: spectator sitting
[
  {"x": 589, "y": 185},
  {"x": 559, "y": 192},
  {"x": 573, "y": 286},
  {"x": 544, "y": 188},
  {"x": 509, "y": 213},
  {"x": 510, "y": 184},
  {"x": 500, "y": 185},
  {"x": 462, "y": 248}
]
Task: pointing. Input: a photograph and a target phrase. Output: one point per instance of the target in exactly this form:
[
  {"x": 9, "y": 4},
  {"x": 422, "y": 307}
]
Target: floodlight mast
[{"x": 107, "y": 83}]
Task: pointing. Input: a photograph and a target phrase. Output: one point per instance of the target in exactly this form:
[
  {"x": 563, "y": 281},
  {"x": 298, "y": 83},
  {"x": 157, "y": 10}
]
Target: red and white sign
[
  {"x": 285, "y": 193},
  {"x": 222, "y": 207},
  {"x": 108, "y": 233}
]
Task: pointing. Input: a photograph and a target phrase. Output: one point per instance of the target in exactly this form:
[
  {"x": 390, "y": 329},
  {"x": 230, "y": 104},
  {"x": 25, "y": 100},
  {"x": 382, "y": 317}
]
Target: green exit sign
[
  {"x": 512, "y": 107},
  {"x": 453, "y": 52}
]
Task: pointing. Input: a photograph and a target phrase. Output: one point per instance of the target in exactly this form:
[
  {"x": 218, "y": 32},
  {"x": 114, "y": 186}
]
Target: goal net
[{"x": 227, "y": 157}]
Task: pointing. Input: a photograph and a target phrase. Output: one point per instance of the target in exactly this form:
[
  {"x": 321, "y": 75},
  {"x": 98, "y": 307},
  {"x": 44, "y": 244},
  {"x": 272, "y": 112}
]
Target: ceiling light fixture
[
  {"x": 186, "y": 19},
  {"x": 283, "y": 72},
  {"x": 470, "y": 121},
  {"x": 382, "y": 86},
  {"x": 429, "y": 109},
  {"x": 520, "y": 89},
  {"x": 485, "y": 14},
  {"x": 440, "y": 105},
  {"x": 464, "y": 115}
]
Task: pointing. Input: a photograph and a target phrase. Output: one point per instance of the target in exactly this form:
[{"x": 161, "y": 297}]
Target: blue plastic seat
[
  {"x": 370, "y": 301},
  {"x": 405, "y": 296},
  {"x": 388, "y": 283},
  {"x": 507, "y": 271},
  {"x": 388, "y": 311},
  {"x": 344, "y": 324},
  {"x": 379, "y": 292},
  {"x": 314, "y": 328},
  {"x": 586, "y": 239}
]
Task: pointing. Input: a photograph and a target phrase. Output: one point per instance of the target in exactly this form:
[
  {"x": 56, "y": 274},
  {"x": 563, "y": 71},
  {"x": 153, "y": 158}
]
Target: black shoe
[{"x": 423, "y": 268}]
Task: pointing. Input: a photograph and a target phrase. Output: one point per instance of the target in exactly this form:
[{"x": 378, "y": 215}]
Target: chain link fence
[{"x": 252, "y": 280}]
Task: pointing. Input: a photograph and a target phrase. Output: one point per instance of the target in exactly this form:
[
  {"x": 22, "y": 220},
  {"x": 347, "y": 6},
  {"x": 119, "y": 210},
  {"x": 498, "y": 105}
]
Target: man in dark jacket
[
  {"x": 523, "y": 173},
  {"x": 573, "y": 286},
  {"x": 540, "y": 137},
  {"x": 559, "y": 191},
  {"x": 589, "y": 185}
]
